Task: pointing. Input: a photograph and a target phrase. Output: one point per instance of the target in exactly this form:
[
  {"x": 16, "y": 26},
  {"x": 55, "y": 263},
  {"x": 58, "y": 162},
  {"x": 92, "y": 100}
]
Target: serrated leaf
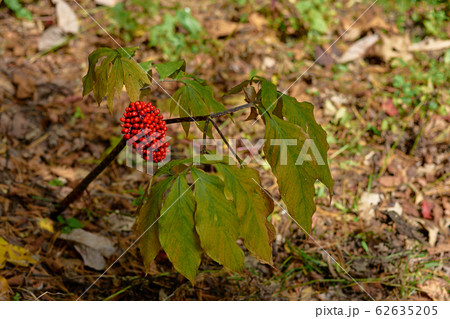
[
  {"x": 174, "y": 101},
  {"x": 253, "y": 206},
  {"x": 176, "y": 229},
  {"x": 89, "y": 78},
  {"x": 268, "y": 95},
  {"x": 146, "y": 223},
  {"x": 296, "y": 182},
  {"x": 165, "y": 70},
  {"x": 127, "y": 52},
  {"x": 302, "y": 114},
  {"x": 146, "y": 66},
  {"x": 101, "y": 78},
  {"x": 216, "y": 221},
  {"x": 115, "y": 83},
  {"x": 133, "y": 75},
  {"x": 238, "y": 88},
  {"x": 207, "y": 95}
]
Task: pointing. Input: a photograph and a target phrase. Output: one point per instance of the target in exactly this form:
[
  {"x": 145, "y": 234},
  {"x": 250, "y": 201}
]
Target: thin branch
[
  {"x": 205, "y": 131},
  {"x": 204, "y": 117},
  {"x": 81, "y": 187},
  {"x": 225, "y": 140}
]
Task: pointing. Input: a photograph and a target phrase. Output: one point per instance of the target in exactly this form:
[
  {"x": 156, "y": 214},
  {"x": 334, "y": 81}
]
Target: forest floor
[{"x": 381, "y": 93}]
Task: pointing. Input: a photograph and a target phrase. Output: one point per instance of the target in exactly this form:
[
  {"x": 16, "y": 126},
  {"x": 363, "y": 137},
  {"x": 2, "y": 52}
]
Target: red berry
[{"x": 144, "y": 129}]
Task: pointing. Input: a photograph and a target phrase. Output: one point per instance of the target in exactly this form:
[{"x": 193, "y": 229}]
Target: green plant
[
  {"x": 67, "y": 225},
  {"x": 18, "y": 9},
  {"x": 310, "y": 18},
  {"x": 204, "y": 204},
  {"x": 170, "y": 41},
  {"x": 177, "y": 33}
]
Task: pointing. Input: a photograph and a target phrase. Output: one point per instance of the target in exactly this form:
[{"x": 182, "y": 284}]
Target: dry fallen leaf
[
  {"x": 435, "y": 289},
  {"x": 220, "y": 28},
  {"x": 389, "y": 107},
  {"x": 91, "y": 257},
  {"x": 367, "y": 204},
  {"x": 14, "y": 254},
  {"x": 51, "y": 37},
  {"x": 430, "y": 45},
  {"x": 102, "y": 244},
  {"x": 26, "y": 87},
  {"x": 390, "y": 181},
  {"x": 358, "y": 49},
  {"x": 394, "y": 46},
  {"x": 426, "y": 209},
  {"x": 4, "y": 289},
  {"x": 257, "y": 20},
  {"x": 71, "y": 174},
  {"x": 66, "y": 17},
  {"x": 108, "y": 3}
]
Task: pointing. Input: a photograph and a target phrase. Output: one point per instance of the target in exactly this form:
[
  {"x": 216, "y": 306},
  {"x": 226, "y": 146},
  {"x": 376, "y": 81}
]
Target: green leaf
[
  {"x": 101, "y": 78},
  {"x": 177, "y": 231},
  {"x": 238, "y": 88},
  {"x": 148, "y": 215},
  {"x": 174, "y": 101},
  {"x": 268, "y": 95},
  {"x": 196, "y": 99},
  {"x": 133, "y": 74},
  {"x": 89, "y": 78},
  {"x": 20, "y": 11},
  {"x": 207, "y": 95},
  {"x": 302, "y": 114},
  {"x": 296, "y": 182},
  {"x": 216, "y": 221},
  {"x": 127, "y": 52},
  {"x": 317, "y": 21},
  {"x": 253, "y": 206},
  {"x": 189, "y": 22},
  {"x": 74, "y": 223},
  {"x": 165, "y": 70},
  {"x": 147, "y": 67},
  {"x": 115, "y": 83}
]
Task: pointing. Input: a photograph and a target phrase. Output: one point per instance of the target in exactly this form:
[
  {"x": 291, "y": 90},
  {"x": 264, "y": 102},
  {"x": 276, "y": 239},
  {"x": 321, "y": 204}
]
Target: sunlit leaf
[
  {"x": 165, "y": 70},
  {"x": 133, "y": 75},
  {"x": 296, "y": 182},
  {"x": 101, "y": 78},
  {"x": 127, "y": 52},
  {"x": 115, "y": 82},
  {"x": 216, "y": 221},
  {"x": 176, "y": 229},
  {"x": 238, "y": 88},
  {"x": 302, "y": 114},
  {"x": 146, "y": 223},
  {"x": 89, "y": 78},
  {"x": 253, "y": 206},
  {"x": 268, "y": 95}
]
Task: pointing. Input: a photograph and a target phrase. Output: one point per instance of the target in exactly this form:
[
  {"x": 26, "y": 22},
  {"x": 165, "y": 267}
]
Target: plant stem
[
  {"x": 81, "y": 187},
  {"x": 204, "y": 117},
  {"x": 225, "y": 140},
  {"x": 205, "y": 131}
]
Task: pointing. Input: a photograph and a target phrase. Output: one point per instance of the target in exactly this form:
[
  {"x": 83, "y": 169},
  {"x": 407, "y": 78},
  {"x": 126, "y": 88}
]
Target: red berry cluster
[{"x": 145, "y": 129}]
